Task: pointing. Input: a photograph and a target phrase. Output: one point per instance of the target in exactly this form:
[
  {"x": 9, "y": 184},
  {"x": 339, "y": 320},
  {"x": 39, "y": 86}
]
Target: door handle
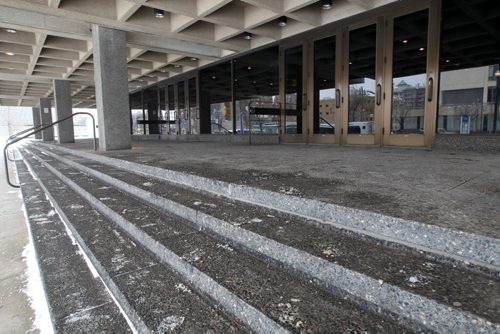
[
  {"x": 379, "y": 94},
  {"x": 430, "y": 89},
  {"x": 337, "y": 98}
]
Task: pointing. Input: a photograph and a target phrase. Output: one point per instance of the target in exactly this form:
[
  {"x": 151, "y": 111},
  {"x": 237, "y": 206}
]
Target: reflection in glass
[
  {"x": 362, "y": 66},
  {"x": 163, "y": 111},
  {"x": 215, "y": 100},
  {"x": 193, "y": 105},
  {"x": 151, "y": 112},
  {"x": 469, "y": 59},
  {"x": 181, "y": 107},
  {"x": 172, "y": 114},
  {"x": 136, "y": 113},
  {"x": 409, "y": 73},
  {"x": 324, "y": 86},
  {"x": 256, "y": 85},
  {"x": 293, "y": 90}
]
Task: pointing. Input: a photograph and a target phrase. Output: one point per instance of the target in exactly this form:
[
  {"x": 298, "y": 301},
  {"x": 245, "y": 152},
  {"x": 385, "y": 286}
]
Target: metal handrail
[
  {"x": 24, "y": 131},
  {"x": 221, "y": 127},
  {"x": 17, "y": 135},
  {"x": 44, "y": 127},
  {"x": 325, "y": 121},
  {"x": 250, "y": 108}
]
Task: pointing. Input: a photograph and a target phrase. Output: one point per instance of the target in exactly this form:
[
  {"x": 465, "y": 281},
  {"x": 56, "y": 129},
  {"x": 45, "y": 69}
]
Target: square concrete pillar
[
  {"x": 64, "y": 108},
  {"x": 46, "y": 119},
  {"x": 36, "y": 121},
  {"x": 111, "y": 87}
]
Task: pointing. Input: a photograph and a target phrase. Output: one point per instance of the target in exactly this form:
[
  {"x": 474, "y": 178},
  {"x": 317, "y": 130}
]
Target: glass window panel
[
  {"x": 256, "y": 81},
  {"x": 362, "y": 66},
  {"x": 468, "y": 63},
  {"x": 215, "y": 99}
]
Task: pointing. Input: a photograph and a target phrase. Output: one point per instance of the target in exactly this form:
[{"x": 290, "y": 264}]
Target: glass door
[
  {"x": 362, "y": 85},
  {"x": 326, "y": 110},
  {"x": 407, "y": 80}
]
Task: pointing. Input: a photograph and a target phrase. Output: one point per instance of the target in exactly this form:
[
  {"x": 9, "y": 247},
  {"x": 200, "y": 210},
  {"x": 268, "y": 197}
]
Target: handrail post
[{"x": 41, "y": 128}]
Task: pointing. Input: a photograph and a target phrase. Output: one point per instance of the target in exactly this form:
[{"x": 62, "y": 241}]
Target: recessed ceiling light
[
  {"x": 447, "y": 60},
  {"x": 271, "y": 84},
  {"x": 254, "y": 82},
  {"x": 12, "y": 31},
  {"x": 282, "y": 21},
  {"x": 326, "y": 4},
  {"x": 247, "y": 35},
  {"x": 404, "y": 41},
  {"x": 9, "y": 53},
  {"x": 421, "y": 49},
  {"x": 213, "y": 77},
  {"x": 249, "y": 67},
  {"x": 193, "y": 58},
  {"x": 350, "y": 63},
  {"x": 159, "y": 13}
]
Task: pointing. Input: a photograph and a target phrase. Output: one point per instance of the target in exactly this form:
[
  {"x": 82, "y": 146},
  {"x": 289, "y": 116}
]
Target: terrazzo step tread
[
  {"x": 473, "y": 250},
  {"x": 295, "y": 303},
  {"x": 417, "y": 272},
  {"x": 77, "y": 301},
  {"x": 151, "y": 289}
]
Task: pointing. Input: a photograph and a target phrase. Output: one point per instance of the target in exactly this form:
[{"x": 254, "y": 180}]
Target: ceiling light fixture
[
  {"x": 326, "y": 4},
  {"x": 10, "y": 30},
  {"x": 421, "y": 49},
  {"x": 247, "y": 35},
  {"x": 447, "y": 60},
  {"x": 159, "y": 13},
  {"x": 405, "y": 41},
  {"x": 282, "y": 21},
  {"x": 9, "y": 53},
  {"x": 249, "y": 67}
]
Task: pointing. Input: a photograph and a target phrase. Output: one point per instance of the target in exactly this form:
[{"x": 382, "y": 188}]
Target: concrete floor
[
  {"x": 459, "y": 190},
  {"x": 16, "y": 315}
]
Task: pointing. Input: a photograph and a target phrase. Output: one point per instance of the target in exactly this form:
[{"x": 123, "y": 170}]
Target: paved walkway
[{"x": 16, "y": 315}]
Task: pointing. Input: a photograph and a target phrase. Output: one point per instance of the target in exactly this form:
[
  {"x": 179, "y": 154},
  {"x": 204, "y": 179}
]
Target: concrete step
[
  {"x": 78, "y": 301},
  {"x": 296, "y": 304},
  {"x": 418, "y": 288},
  {"x": 150, "y": 294}
]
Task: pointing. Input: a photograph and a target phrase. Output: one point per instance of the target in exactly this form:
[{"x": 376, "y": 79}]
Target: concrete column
[
  {"x": 36, "y": 121},
  {"x": 46, "y": 118},
  {"x": 111, "y": 87},
  {"x": 64, "y": 108}
]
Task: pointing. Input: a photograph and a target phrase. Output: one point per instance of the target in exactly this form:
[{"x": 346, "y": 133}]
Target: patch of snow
[
  {"x": 34, "y": 287},
  {"x": 147, "y": 184},
  {"x": 76, "y": 206},
  {"x": 106, "y": 199},
  {"x": 256, "y": 220},
  {"x": 102, "y": 188},
  {"x": 197, "y": 203},
  {"x": 225, "y": 246},
  {"x": 169, "y": 324},
  {"x": 51, "y": 213},
  {"x": 182, "y": 287}
]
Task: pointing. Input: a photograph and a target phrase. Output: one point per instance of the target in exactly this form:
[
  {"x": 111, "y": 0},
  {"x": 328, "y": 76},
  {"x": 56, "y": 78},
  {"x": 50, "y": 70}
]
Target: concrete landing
[{"x": 452, "y": 189}]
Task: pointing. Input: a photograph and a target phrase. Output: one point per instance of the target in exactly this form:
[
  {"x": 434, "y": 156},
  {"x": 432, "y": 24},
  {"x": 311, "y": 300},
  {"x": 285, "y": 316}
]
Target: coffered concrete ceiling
[{"x": 42, "y": 40}]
